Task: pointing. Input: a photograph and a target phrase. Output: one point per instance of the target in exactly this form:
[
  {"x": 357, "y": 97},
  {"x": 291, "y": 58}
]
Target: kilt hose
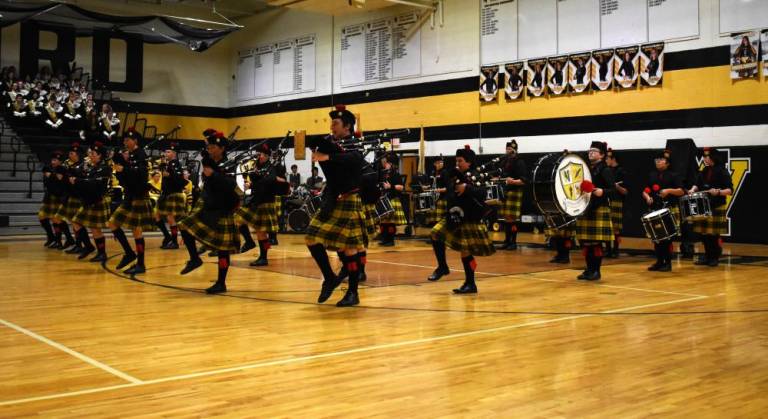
[
  {"x": 69, "y": 208},
  {"x": 343, "y": 227},
  {"x": 398, "y": 216},
  {"x": 617, "y": 215},
  {"x": 94, "y": 215},
  {"x": 50, "y": 206},
  {"x": 512, "y": 206},
  {"x": 595, "y": 225},
  {"x": 262, "y": 218},
  {"x": 469, "y": 236},
  {"x": 213, "y": 228},
  {"x": 716, "y": 225},
  {"x": 174, "y": 204},
  {"x": 132, "y": 214}
]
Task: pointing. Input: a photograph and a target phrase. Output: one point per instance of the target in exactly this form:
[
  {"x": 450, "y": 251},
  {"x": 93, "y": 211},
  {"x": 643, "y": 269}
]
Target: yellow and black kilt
[
  {"x": 469, "y": 236},
  {"x": 174, "y": 204},
  {"x": 135, "y": 213},
  {"x": 342, "y": 228},
  {"x": 715, "y": 225},
  {"x": 93, "y": 215},
  {"x": 512, "y": 206},
  {"x": 69, "y": 208},
  {"x": 262, "y": 218},
  {"x": 617, "y": 214},
  {"x": 370, "y": 218},
  {"x": 595, "y": 225},
  {"x": 278, "y": 205},
  {"x": 398, "y": 216},
  {"x": 50, "y": 207},
  {"x": 215, "y": 229},
  {"x": 439, "y": 212}
]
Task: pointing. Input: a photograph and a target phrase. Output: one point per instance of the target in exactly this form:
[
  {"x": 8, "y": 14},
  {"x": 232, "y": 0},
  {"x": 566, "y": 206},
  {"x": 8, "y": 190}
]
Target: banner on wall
[
  {"x": 764, "y": 44},
  {"x": 513, "y": 88},
  {"x": 557, "y": 79},
  {"x": 489, "y": 82},
  {"x": 626, "y": 66},
  {"x": 578, "y": 71},
  {"x": 602, "y": 69},
  {"x": 652, "y": 64},
  {"x": 744, "y": 58},
  {"x": 535, "y": 74}
]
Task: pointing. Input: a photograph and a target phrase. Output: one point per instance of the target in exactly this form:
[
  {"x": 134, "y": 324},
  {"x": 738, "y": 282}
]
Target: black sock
[
  {"x": 246, "y": 233},
  {"x": 140, "y": 251},
  {"x": 263, "y": 248},
  {"x": 189, "y": 242},
  {"x": 439, "y": 247},
  {"x": 223, "y": 266},
  {"x": 46, "y": 224},
  {"x": 174, "y": 233},
  {"x": 161, "y": 225},
  {"x": 101, "y": 245},
  {"x": 589, "y": 258},
  {"x": 84, "y": 239},
  {"x": 469, "y": 269},
  {"x": 513, "y": 234},
  {"x": 342, "y": 258},
  {"x": 65, "y": 229},
  {"x": 597, "y": 257},
  {"x": 120, "y": 237},
  {"x": 507, "y": 232},
  {"x": 560, "y": 246},
  {"x": 320, "y": 256},
  {"x": 273, "y": 236},
  {"x": 353, "y": 267},
  {"x": 57, "y": 232},
  {"x": 363, "y": 259}
]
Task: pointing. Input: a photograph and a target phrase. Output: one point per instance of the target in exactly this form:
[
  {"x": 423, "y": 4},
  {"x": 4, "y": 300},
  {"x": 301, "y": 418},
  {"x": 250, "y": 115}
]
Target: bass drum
[
  {"x": 298, "y": 220},
  {"x": 556, "y": 183}
]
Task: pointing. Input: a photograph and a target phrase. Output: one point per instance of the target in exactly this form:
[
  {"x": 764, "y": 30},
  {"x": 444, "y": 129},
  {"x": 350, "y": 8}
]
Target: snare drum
[
  {"x": 383, "y": 207},
  {"x": 660, "y": 225},
  {"x": 557, "y": 190},
  {"x": 425, "y": 202},
  {"x": 494, "y": 194},
  {"x": 695, "y": 206}
]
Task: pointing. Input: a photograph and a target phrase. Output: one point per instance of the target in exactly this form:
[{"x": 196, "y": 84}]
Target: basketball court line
[{"x": 308, "y": 358}]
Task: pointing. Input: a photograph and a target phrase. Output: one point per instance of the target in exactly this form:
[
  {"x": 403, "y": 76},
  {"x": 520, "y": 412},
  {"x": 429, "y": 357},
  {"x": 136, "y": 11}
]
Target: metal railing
[
  {"x": 15, "y": 148},
  {"x": 32, "y": 165}
]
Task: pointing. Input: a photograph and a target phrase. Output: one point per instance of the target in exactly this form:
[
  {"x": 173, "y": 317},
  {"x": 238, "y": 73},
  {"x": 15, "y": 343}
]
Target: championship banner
[
  {"x": 626, "y": 64},
  {"x": 652, "y": 64},
  {"x": 764, "y": 44},
  {"x": 578, "y": 71},
  {"x": 744, "y": 48},
  {"x": 489, "y": 82},
  {"x": 557, "y": 79},
  {"x": 513, "y": 88},
  {"x": 602, "y": 69},
  {"x": 535, "y": 76}
]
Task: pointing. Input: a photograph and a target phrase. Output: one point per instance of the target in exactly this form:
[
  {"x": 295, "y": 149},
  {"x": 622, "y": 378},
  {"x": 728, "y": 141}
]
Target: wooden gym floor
[{"x": 77, "y": 340}]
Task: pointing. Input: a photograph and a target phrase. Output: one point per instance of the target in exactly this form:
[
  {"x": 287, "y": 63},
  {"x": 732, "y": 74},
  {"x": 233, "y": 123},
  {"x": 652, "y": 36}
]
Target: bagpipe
[{"x": 473, "y": 206}]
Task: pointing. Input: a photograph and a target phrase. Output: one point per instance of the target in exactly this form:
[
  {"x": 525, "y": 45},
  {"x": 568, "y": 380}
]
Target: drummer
[
  {"x": 617, "y": 201},
  {"x": 439, "y": 182},
  {"x": 315, "y": 182},
  {"x": 714, "y": 180},
  {"x": 514, "y": 176},
  {"x": 662, "y": 190}
]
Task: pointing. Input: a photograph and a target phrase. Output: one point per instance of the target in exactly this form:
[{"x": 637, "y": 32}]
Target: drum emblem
[{"x": 571, "y": 176}]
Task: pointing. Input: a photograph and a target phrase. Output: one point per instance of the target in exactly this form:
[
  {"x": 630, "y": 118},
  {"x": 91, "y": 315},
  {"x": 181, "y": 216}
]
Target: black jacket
[
  {"x": 714, "y": 177},
  {"x": 665, "y": 180},
  {"x": 472, "y": 201},
  {"x": 602, "y": 178},
  {"x": 174, "y": 182},
  {"x": 93, "y": 185},
  {"x": 135, "y": 175},
  {"x": 516, "y": 169},
  {"x": 220, "y": 190}
]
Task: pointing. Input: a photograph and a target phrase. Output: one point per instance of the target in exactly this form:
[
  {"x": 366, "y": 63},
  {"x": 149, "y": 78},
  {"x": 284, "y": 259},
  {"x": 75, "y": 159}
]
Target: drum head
[
  {"x": 298, "y": 220},
  {"x": 656, "y": 214},
  {"x": 570, "y": 172}
]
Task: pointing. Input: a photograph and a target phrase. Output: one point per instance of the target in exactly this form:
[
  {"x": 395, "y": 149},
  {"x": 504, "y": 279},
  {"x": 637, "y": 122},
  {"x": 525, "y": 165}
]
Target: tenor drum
[
  {"x": 425, "y": 202},
  {"x": 556, "y": 184},
  {"x": 494, "y": 195},
  {"x": 557, "y": 220},
  {"x": 660, "y": 225},
  {"x": 298, "y": 220},
  {"x": 695, "y": 206},
  {"x": 384, "y": 207}
]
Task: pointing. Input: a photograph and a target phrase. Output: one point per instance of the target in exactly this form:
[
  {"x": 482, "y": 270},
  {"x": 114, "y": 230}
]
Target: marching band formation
[{"x": 582, "y": 202}]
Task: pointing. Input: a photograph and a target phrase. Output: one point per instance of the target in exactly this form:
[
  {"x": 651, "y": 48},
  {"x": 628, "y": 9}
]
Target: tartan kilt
[
  {"x": 51, "y": 204},
  {"x": 174, "y": 204},
  {"x": 617, "y": 215},
  {"x": 136, "y": 213},
  {"x": 214, "y": 229},
  {"x": 512, "y": 206},
  {"x": 343, "y": 228},
  {"x": 93, "y": 215},
  {"x": 469, "y": 237},
  {"x": 715, "y": 225},
  {"x": 262, "y": 218},
  {"x": 278, "y": 205},
  {"x": 398, "y": 216},
  {"x": 439, "y": 212},
  {"x": 69, "y": 208},
  {"x": 595, "y": 225},
  {"x": 370, "y": 218}
]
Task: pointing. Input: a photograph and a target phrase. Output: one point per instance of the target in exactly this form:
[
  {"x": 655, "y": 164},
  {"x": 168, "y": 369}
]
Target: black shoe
[
  {"x": 666, "y": 267},
  {"x": 201, "y": 250},
  {"x": 466, "y": 289},
  {"x": 350, "y": 299},
  {"x": 612, "y": 254},
  {"x": 49, "y": 242},
  {"x": 511, "y": 246},
  {"x": 166, "y": 240},
  {"x": 100, "y": 257},
  {"x": 713, "y": 262},
  {"x": 191, "y": 266},
  {"x": 86, "y": 251},
  {"x": 560, "y": 259},
  {"x": 135, "y": 270},
  {"x": 503, "y": 246},
  {"x": 589, "y": 276},
  {"x": 362, "y": 277},
  {"x": 74, "y": 249},
  {"x": 701, "y": 261},
  {"x": 438, "y": 273},
  {"x": 171, "y": 245},
  {"x": 327, "y": 289},
  {"x": 273, "y": 242},
  {"x": 259, "y": 262},
  {"x": 655, "y": 266},
  {"x": 55, "y": 245},
  {"x": 67, "y": 244},
  {"x": 584, "y": 274},
  {"x": 216, "y": 288},
  {"x": 247, "y": 246},
  {"x": 213, "y": 253},
  {"x": 126, "y": 260},
  {"x": 389, "y": 243}
]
